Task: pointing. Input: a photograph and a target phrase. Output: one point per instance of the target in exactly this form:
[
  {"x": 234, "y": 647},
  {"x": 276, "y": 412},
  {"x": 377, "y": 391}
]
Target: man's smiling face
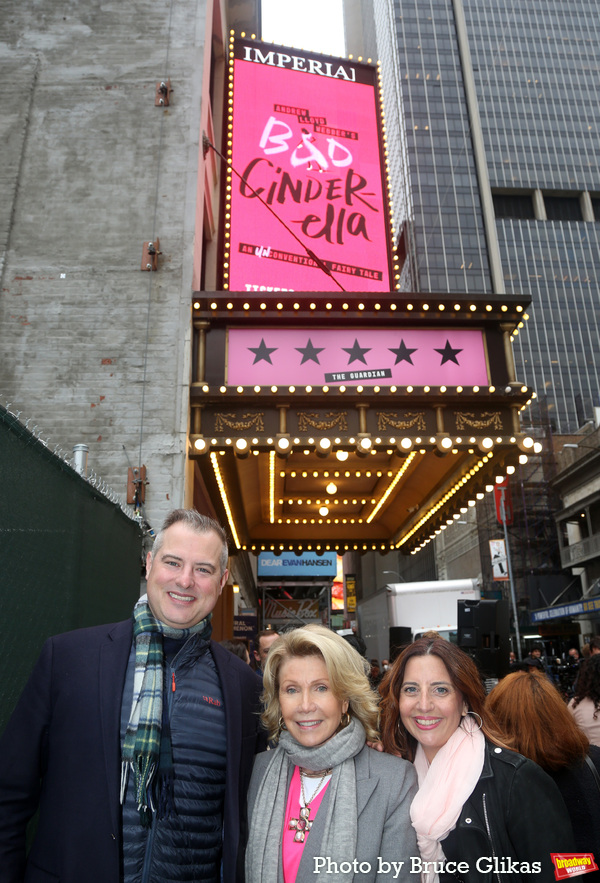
[{"x": 184, "y": 579}]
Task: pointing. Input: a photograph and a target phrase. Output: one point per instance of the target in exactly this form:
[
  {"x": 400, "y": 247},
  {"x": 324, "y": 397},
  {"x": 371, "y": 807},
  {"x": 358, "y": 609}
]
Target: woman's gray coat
[{"x": 385, "y": 788}]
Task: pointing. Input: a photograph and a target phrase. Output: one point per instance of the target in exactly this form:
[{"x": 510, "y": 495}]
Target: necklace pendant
[
  {"x": 301, "y": 825},
  {"x": 304, "y": 823}
]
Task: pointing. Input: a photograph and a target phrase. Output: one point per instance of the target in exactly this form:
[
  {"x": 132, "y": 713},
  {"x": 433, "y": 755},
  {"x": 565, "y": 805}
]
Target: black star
[
  {"x": 448, "y": 354},
  {"x": 356, "y": 352},
  {"x": 263, "y": 352},
  {"x": 309, "y": 352},
  {"x": 403, "y": 353}
]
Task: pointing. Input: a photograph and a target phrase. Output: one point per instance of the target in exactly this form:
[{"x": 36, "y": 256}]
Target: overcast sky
[{"x": 316, "y": 25}]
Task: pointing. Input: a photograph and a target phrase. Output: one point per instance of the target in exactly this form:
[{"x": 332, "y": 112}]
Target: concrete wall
[{"x": 94, "y": 349}]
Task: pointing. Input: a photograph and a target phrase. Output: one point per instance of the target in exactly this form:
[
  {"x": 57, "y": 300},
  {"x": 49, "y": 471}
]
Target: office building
[
  {"x": 494, "y": 132},
  {"x": 495, "y": 170}
]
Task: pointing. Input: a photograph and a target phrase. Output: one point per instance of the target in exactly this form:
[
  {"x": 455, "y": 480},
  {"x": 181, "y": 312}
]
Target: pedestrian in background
[
  {"x": 262, "y": 644},
  {"x": 585, "y": 704},
  {"x": 375, "y": 675},
  {"x": 533, "y": 714},
  {"x": 238, "y": 647},
  {"x": 534, "y": 660}
]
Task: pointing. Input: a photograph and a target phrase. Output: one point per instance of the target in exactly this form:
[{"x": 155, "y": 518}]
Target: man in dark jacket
[{"x": 136, "y": 740}]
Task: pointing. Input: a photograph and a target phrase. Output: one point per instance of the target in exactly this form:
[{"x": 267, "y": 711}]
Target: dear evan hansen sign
[
  {"x": 304, "y": 136},
  {"x": 306, "y": 564}
]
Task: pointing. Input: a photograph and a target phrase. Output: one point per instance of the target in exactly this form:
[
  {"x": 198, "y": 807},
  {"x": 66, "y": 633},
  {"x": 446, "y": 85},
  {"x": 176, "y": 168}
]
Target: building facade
[
  {"x": 494, "y": 129},
  {"x": 496, "y": 171},
  {"x": 100, "y": 159},
  {"x": 578, "y": 483}
]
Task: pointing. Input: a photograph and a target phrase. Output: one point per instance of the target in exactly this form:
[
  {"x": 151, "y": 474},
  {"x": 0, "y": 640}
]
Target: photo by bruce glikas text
[{"x": 484, "y": 865}]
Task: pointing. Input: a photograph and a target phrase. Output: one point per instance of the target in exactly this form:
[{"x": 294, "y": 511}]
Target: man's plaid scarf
[{"x": 147, "y": 744}]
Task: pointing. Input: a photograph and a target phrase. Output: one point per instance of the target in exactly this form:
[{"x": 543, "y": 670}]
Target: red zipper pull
[{"x": 173, "y": 681}]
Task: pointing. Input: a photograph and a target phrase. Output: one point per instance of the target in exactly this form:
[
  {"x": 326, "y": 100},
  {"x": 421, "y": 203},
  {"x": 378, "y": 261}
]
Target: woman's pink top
[
  {"x": 292, "y": 850},
  {"x": 584, "y": 718}
]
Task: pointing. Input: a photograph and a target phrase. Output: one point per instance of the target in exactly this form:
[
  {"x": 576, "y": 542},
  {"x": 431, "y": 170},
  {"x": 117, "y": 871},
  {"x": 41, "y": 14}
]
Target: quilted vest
[{"x": 186, "y": 846}]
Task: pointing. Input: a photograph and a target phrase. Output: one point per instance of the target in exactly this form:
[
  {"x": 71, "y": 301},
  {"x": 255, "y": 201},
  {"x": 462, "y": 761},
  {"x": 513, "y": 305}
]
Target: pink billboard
[
  {"x": 356, "y": 356},
  {"x": 305, "y": 139}
]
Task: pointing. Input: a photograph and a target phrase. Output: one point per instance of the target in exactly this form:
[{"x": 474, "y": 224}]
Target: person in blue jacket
[{"x": 135, "y": 741}]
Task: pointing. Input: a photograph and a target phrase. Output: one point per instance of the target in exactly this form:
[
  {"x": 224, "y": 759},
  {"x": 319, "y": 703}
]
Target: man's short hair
[
  {"x": 199, "y": 524},
  {"x": 595, "y": 644},
  {"x": 265, "y": 633}
]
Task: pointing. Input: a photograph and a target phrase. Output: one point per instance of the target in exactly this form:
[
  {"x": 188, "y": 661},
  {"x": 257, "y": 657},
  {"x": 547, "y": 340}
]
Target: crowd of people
[{"x": 151, "y": 754}]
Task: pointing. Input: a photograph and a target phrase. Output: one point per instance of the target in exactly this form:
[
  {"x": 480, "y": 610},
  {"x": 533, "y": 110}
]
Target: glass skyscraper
[{"x": 493, "y": 122}]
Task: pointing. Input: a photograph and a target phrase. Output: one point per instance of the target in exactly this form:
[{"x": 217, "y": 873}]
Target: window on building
[
  {"x": 594, "y": 521},
  {"x": 563, "y": 208},
  {"x": 514, "y": 205}
]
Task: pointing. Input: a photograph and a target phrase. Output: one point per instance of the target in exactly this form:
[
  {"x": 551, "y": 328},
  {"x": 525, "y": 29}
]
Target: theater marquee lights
[
  {"x": 371, "y": 434},
  {"x": 305, "y": 138}
]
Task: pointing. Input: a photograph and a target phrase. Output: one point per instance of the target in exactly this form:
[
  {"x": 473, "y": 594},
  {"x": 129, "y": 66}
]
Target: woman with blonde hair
[
  {"x": 323, "y": 802},
  {"x": 531, "y": 709},
  {"x": 476, "y": 812}
]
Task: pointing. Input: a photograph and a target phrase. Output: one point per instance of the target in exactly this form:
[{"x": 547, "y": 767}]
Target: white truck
[{"x": 402, "y": 611}]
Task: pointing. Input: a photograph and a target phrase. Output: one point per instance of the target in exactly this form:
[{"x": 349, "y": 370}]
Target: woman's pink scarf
[{"x": 444, "y": 786}]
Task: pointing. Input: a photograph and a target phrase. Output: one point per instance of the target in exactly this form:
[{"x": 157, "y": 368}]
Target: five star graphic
[
  {"x": 356, "y": 352},
  {"x": 403, "y": 353},
  {"x": 263, "y": 352},
  {"x": 448, "y": 354},
  {"x": 309, "y": 352}
]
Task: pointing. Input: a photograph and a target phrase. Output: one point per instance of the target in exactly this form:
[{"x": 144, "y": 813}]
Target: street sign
[{"x": 503, "y": 500}]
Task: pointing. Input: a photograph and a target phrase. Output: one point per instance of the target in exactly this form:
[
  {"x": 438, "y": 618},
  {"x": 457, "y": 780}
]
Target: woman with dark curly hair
[
  {"x": 585, "y": 704},
  {"x": 477, "y": 810}
]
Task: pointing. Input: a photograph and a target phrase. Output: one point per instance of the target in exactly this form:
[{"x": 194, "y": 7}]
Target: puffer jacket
[
  {"x": 187, "y": 845},
  {"x": 514, "y": 818}
]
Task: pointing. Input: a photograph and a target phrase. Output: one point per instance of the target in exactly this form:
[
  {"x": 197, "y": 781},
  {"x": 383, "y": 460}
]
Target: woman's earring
[
  {"x": 344, "y": 723},
  {"x": 281, "y": 725},
  {"x": 474, "y": 713}
]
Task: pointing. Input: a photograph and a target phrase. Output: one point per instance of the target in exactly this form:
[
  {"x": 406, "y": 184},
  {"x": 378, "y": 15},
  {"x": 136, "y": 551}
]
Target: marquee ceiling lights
[
  {"x": 291, "y": 507},
  {"x": 368, "y": 391},
  {"x": 221, "y": 484},
  {"x": 200, "y": 445},
  {"x": 467, "y": 308}
]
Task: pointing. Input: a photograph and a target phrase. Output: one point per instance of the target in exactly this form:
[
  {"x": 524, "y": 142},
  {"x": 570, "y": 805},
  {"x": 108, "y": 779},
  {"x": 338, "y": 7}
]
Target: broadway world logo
[{"x": 572, "y": 864}]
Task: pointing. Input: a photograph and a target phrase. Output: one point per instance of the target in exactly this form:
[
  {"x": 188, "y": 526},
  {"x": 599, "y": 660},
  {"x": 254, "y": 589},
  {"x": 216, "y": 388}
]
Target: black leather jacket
[{"x": 514, "y": 818}]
